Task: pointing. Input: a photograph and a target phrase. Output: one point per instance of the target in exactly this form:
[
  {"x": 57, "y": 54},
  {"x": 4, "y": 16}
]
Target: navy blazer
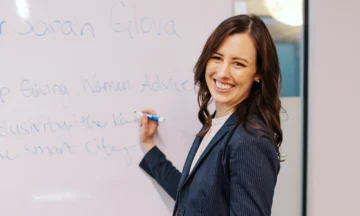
[{"x": 235, "y": 175}]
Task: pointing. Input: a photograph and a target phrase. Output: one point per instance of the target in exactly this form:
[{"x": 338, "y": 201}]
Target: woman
[{"x": 233, "y": 164}]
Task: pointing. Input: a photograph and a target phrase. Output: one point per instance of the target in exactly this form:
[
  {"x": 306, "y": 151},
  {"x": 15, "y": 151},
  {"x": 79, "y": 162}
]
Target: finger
[
  {"x": 143, "y": 121},
  {"x": 149, "y": 111}
]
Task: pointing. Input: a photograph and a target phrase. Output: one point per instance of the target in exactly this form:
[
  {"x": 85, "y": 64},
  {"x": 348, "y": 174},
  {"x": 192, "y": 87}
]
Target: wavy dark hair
[{"x": 264, "y": 98}]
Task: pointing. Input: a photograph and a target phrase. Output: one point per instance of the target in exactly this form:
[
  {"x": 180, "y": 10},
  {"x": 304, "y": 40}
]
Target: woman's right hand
[{"x": 148, "y": 129}]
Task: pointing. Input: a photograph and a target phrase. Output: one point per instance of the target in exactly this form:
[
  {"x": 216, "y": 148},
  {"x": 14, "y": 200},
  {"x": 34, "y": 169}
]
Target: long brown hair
[{"x": 264, "y": 97}]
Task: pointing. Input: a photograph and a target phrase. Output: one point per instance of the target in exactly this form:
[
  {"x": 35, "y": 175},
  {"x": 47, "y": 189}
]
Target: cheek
[
  {"x": 244, "y": 77},
  {"x": 207, "y": 75},
  {"x": 210, "y": 69},
  {"x": 208, "y": 78}
]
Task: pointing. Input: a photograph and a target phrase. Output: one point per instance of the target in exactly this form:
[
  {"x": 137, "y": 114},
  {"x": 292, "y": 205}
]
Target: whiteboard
[{"x": 72, "y": 74}]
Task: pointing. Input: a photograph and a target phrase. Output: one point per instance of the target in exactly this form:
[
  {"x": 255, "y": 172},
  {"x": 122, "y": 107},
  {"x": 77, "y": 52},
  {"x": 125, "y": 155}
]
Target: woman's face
[{"x": 231, "y": 71}]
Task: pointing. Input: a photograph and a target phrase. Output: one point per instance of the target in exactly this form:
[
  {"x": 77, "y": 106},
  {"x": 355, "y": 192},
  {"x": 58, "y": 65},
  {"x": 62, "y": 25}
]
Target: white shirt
[{"x": 216, "y": 124}]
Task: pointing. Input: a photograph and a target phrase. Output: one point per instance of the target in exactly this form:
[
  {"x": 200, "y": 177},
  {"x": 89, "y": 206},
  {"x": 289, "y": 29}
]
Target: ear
[{"x": 257, "y": 78}]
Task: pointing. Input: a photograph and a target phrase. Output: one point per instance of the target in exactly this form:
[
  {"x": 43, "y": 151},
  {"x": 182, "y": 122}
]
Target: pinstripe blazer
[{"x": 235, "y": 175}]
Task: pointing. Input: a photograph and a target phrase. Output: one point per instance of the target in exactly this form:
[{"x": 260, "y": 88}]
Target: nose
[{"x": 224, "y": 70}]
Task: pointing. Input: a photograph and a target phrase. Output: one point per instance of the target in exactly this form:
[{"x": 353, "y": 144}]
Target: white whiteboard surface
[{"x": 72, "y": 74}]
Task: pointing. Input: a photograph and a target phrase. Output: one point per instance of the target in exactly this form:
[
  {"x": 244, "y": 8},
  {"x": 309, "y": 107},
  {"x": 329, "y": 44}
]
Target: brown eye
[
  {"x": 216, "y": 58},
  {"x": 238, "y": 64}
]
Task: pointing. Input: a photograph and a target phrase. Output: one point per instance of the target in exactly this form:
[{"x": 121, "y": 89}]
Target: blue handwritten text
[
  {"x": 96, "y": 86},
  {"x": 163, "y": 85},
  {"x": 29, "y": 89},
  {"x": 96, "y": 146},
  {"x": 119, "y": 119},
  {"x": 1, "y": 24},
  {"x": 89, "y": 123},
  {"x": 6, "y": 156},
  {"x": 58, "y": 27},
  {"x": 31, "y": 127},
  {"x": 63, "y": 149},
  {"x": 3, "y": 92},
  {"x": 121, "y": 22}
]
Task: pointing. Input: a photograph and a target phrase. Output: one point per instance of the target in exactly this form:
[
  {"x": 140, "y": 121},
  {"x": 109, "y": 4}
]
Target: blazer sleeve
[
  {"x": 162, "y": 170},
  {"x": 253, "y": 169}
]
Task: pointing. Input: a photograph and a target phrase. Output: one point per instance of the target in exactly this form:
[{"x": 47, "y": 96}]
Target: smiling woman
[
  {"x": 231, "y": 71},
  {"x": 234, "y": 161}
]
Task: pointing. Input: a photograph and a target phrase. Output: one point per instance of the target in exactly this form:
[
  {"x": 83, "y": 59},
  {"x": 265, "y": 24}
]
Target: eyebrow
[{"x": 235, "y": 58}]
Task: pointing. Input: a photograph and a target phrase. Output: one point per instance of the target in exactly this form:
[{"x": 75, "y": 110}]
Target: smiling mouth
[{"x": 223, "y": 86}]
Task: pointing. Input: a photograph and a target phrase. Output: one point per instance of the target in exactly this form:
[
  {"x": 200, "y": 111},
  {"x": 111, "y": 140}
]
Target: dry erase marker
[{"x": 151, "y": 117}]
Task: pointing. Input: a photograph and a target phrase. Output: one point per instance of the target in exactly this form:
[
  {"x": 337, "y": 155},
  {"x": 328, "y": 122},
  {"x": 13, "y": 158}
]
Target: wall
[{"x": 334, "y": 162}]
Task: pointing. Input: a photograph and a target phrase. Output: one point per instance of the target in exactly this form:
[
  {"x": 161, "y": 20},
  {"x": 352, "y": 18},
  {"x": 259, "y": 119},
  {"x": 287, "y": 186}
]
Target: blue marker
[{"x": 151, "y": 117}]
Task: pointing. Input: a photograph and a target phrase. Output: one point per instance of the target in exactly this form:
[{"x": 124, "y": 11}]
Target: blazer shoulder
[
  {"x": 252, "y": 148},
  {"x": 258, "y": 137},
  {"x": 255, "y": 128}
]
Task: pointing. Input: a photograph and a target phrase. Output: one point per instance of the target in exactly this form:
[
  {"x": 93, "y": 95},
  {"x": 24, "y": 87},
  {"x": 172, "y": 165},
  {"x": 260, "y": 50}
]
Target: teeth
[{"x": 222, "y": 85}]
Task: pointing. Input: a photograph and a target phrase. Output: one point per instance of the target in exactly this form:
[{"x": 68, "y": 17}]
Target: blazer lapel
[
  {"x": 189, "y": 160},
  {"x": 219, "y": 135}
]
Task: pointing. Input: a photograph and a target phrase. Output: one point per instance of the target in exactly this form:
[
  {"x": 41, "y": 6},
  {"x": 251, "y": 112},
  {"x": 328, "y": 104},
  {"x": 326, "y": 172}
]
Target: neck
[{"x": 223, "y": 111}]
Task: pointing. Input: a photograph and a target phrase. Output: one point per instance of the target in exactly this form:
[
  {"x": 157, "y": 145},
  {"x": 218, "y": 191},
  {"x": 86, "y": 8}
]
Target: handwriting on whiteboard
[
  {"x": 65, "y": 128},
  {"x": 5, "y": 155},
  {"x": 94, "y": 147},
  {"x": 123, "y": 20},
  {"x": 4, "y": 91},
  {"x": 49, "y": 125},
  {"x": 150, "y": 83},
  {"x": 65, "y": 144},
  {"x": 66, "y": 27}
]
